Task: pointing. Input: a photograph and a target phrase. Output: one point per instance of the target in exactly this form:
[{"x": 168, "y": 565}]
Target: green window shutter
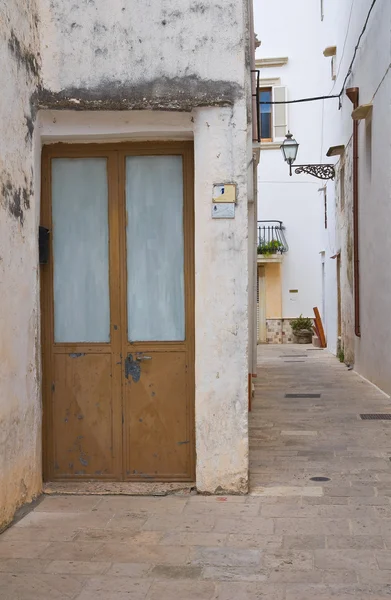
[{"x": 280, "y": 113}]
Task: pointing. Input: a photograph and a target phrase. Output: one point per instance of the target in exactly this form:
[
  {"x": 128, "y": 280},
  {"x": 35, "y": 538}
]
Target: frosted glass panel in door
[
  {"x": 155, "y": 264},
  {"x": 80, "y": 246}
]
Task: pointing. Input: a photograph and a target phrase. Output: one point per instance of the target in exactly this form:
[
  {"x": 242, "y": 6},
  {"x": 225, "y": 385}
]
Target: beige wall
[{"x": 273, "y": 291}]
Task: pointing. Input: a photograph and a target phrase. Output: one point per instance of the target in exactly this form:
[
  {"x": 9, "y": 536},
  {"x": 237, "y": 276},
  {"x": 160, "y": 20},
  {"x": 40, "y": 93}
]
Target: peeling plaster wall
[
  {"x": 20, "y": 411},
  {"x": 345, "y": 239},
  {"x": 145, "y": 54},
  {"x": 221, "y": 254},
  {"x": 186, "y": 56}
]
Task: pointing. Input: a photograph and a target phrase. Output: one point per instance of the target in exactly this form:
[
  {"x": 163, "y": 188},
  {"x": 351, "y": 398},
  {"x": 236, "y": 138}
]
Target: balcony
[{"x": 272, "y": 244}]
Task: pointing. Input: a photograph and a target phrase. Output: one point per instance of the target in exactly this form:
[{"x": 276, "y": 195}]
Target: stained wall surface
[
  {"x": 66, "y": 63},
  {"x": 20, "y": 407}
]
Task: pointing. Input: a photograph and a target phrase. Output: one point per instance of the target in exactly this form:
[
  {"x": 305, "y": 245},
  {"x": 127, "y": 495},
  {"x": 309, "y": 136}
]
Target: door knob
[{"x": 139, "y": 358}]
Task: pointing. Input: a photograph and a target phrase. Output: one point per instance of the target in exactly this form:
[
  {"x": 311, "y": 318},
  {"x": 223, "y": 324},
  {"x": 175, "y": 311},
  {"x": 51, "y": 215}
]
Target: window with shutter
[
  {"x": 280, "y": 113},
  {"x": 265, "y": 96}
]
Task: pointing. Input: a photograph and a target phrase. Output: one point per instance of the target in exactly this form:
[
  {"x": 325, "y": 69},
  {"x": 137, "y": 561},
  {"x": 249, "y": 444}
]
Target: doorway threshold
[{"x": 119, "y": 488}]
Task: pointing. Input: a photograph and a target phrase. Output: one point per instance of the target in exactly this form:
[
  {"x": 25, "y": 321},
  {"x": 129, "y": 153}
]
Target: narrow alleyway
[{"x": 291, "y": 539}]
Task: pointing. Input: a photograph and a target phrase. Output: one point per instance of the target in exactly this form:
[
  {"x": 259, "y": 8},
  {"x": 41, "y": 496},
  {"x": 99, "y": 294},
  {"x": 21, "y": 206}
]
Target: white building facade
[
  {"x": 341, "y": 52},
  {"x": 118, "y": 124},
  {"x": 292, "y": 283},
  {"x": 358, "y": 278}
]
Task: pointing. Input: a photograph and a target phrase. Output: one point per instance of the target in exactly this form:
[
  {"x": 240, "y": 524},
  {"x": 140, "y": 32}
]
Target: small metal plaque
[
  {"x": 223, "y": 210},
  {"x": 224, "y": 192}
]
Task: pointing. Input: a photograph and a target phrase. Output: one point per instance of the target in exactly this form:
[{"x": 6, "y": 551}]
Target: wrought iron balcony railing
[{"x": 271, "y": 238}]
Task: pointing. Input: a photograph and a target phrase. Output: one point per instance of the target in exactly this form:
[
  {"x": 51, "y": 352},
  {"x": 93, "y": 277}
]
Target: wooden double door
[{"x": 118, "y": 312}]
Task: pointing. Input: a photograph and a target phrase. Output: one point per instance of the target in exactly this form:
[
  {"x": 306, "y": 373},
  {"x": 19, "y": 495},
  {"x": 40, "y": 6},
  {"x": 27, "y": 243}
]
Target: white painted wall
[
  {"x": 283, "y": 28},
  {"x": 371, "y": 73},
  {"x": 20, "y": 410},
  {"x": 107, "y": 58}
]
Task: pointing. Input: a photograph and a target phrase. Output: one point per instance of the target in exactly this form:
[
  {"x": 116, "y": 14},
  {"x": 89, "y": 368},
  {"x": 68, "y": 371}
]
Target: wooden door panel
[
  {"x": 83, "y": 427},
  {"x": 98, "y": 423},
  {"x": 157, "y": 417}
]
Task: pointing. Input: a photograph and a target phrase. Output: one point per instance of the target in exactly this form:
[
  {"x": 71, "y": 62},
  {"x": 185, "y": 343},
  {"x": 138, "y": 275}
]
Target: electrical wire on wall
[{"x": 349, "y": 72}]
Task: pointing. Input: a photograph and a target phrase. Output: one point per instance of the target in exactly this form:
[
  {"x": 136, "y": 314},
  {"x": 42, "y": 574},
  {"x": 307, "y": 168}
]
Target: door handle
[{"x": 140, "y": 358}]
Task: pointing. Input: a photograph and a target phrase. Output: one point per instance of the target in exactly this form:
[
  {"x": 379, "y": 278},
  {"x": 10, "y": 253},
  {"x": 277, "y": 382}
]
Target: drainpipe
[{"x": 353, "y": 95}]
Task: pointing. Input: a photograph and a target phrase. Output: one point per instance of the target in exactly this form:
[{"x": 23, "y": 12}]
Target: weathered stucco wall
[
  {"x": 20, "y": 414},
  {"x": 117, "y": 55},
  {"x": 180, "y": 56},
  {"x": 345, "y": 239},
  {"x": 221, "y": 251},
  {"x": 169, "y": 56},
  {"x": 372, "y": 75}
]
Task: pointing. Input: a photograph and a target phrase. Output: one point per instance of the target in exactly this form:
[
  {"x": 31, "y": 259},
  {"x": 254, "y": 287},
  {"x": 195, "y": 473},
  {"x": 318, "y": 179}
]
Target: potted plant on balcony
[
  {"x": 303, "y": 329},
  {"x": 269, "y": 248}
]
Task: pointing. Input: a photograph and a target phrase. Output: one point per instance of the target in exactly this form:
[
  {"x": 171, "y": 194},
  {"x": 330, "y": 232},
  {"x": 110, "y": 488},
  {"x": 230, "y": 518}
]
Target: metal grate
[
  {"x": 302, "y": 395},
  {"x": 319, "y": 478},
  {"x": 376, "y": 417}
]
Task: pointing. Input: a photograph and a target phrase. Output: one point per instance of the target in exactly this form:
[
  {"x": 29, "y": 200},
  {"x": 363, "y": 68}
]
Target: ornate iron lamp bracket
[{"x": 319, "y": 171}]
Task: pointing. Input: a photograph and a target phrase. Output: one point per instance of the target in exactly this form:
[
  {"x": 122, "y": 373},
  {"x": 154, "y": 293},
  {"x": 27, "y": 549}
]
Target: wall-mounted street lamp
[{"x": 289, "y": 149}]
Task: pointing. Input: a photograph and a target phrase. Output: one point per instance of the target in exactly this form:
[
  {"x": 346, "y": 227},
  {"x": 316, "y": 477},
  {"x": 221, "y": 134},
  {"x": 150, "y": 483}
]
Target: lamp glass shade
[{"x": 289, "y": 148}]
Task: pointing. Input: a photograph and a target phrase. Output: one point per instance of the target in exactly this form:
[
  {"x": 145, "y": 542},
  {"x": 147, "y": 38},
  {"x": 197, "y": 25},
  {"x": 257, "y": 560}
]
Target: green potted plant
[
  {"x": 268, "y": 248},
  {"x": 303, "y": 329}
]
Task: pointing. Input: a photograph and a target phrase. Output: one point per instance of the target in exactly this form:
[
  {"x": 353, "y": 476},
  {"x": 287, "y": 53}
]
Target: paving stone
[
  {"x": 245, "y": 525},
  {"x": 70, "y": 503},
  {"x": 225, "y": 557},
  {"x": 368, "y": 526},
  {"x": 290, "y": 539},
  {"x": 357, "y": 542},
  {"x": 312, "y": 526},
  {"x": 303, "y": 542},
  {"x": 222, "y": 509},
  {"x": 117, "y": 552},
  {"x": 289, "y": 510},
  {"x": 40, "y": 534},
  {"x": 180, "y": 523},
  {"x": 234, "y": 573},
  {"x": 384, "y": 561},
  {"x": 294, "y": 576},
  {"x": 345, "y": 559},
  {"x": 77, "y": 566},
  {"x": 136, "y": 588},
  {"x": 287, "y": 560},
  {"x": 136, "y": 570},
  {"x": 30, "y": 586},
  {"x": 256, "y": 540},
  {"x": 120, "y": 535},
  {"x": 340, "y": 577},
  {"x": 184, "y": 538},
  {"x": 23, "y": 565},
  {"x": 134, "y": 594},
  {"x": 143, "y": 504},
  {"x": 64, "y": 520},
  {"x": 249, "y": 591},
  {"x": 71, "y": 550},
  {"x": 170, "y": 572},
  {"x": 22, "y": 549},
  {"x": 189, "y": 590},
  {"x": 336, "y": 592}
]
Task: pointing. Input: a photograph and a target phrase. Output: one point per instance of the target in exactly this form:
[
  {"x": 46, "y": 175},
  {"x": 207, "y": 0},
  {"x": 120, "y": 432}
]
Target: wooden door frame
[{"x": 113, "y": 152}]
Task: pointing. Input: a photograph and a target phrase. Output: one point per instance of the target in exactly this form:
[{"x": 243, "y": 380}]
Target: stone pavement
[{"x": 290, "y": 539}]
